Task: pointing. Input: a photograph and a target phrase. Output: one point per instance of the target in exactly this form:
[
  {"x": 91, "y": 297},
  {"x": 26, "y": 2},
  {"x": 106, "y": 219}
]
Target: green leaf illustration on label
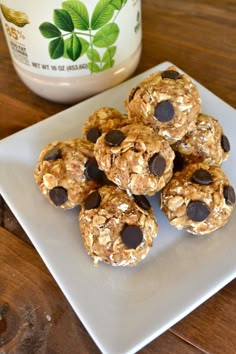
[
  {"x": 84, "y": 45},
  {"x": 106, "y": 36},
  {"x": 73, "y": 47},
  {"x": 108, "y": 64},
  {"x": 62, "y": 20},
  {"x": 93, "y": 67},
  {"x": 78, "y": 12},
  {"x": 109, "y": 54},
  {"x": 48, "y": 30},
  {"x": 117, "y": 4},
  {"x": 56, "y": 48},
  {"x": 102, "y": 14},
  {"x": 74, "y": 33},
  {"x": 93, "y": 55}
]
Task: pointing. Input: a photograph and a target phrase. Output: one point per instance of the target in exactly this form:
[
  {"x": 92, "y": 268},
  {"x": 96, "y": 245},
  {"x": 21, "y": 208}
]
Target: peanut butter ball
[
  {"x": 66, "y": 172},
  {"x": 198, "y": 199},
  {"x": 207, "y": 143},
  {"x": 135, "y": 158},
  {"x": 116, "y": 228},
  {"x": 101, "y": 121},
  {"x": 168, "y": 101}
]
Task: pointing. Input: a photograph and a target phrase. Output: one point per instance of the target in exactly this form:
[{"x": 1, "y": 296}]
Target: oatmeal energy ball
[
  {"x": 66, "y": 172},
  {"x": 206, "y": 143},
  {"x": 167, "y": 101},
  {"x": 135, "y": 158},
  {"x": 198, "y": 199},
  {"x": 101, "y": 121},
  {"x": 116, "y": 228}
]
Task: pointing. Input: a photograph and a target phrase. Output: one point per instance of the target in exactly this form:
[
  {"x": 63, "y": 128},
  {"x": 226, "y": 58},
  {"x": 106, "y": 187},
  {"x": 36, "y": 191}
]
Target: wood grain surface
[{"x": 35, "y": 317}]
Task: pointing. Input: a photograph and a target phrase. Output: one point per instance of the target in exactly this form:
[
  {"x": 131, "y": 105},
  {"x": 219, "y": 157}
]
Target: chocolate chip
[
  {"x": 170, "y": 74},
  {"x": 178, "y": 162},
  {"x": 58, "y": 195},
  {"x": 197, "y": 210},
  {"x": 202, "y": 177},
  {"x": 132, "y": 236},
  {"x": 104, "y": 181},
  {"x": 157, "y": 164},
  {"x": 114, "y": 137},
  {"x": 92, "y": 171},
  {"x": 142, "y": 202},
  {"x": 52, "y": 155},
  {"x": 225, "y": 143},
  {"x": 93, "y": 134},
  {"x": 229, "y": 195},
  {"x": 132, "y": 93},
  {"x": 164, "y": 111},
  {"x": 92, "y": 201}
]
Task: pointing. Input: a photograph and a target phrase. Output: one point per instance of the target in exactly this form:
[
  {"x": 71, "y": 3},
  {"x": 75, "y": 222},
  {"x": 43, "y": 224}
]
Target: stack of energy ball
[{"x": 164, "y": 144}]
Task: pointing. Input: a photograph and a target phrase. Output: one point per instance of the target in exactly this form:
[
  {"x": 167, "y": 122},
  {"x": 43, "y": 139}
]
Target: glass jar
[{"x": 66, "y": 51}]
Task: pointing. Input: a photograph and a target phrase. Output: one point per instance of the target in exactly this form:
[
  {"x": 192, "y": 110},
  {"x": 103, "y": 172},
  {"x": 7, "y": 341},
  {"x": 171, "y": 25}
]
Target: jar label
[{"x": 72, "y": 37}]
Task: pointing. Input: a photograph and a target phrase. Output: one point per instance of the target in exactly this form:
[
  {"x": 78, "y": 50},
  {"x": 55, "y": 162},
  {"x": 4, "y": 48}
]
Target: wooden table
[{"x": 198, "y": 36}]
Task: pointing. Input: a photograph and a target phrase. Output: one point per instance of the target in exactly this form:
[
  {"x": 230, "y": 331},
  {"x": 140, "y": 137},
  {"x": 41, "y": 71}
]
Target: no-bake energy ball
[
  {"x": 116, "y": 228},
  {"x": 101, "y": 121},
  {"x": 168, "y": 101},
  {"x": 66, "y": 172},
  {"x": 198, "y": 199},
  {"x": 135, "y": 158},
  {"x": 206, "y": 143}
]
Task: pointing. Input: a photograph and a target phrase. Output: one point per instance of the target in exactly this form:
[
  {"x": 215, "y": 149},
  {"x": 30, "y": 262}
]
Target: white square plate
[{"x": 122, "y": 308}]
